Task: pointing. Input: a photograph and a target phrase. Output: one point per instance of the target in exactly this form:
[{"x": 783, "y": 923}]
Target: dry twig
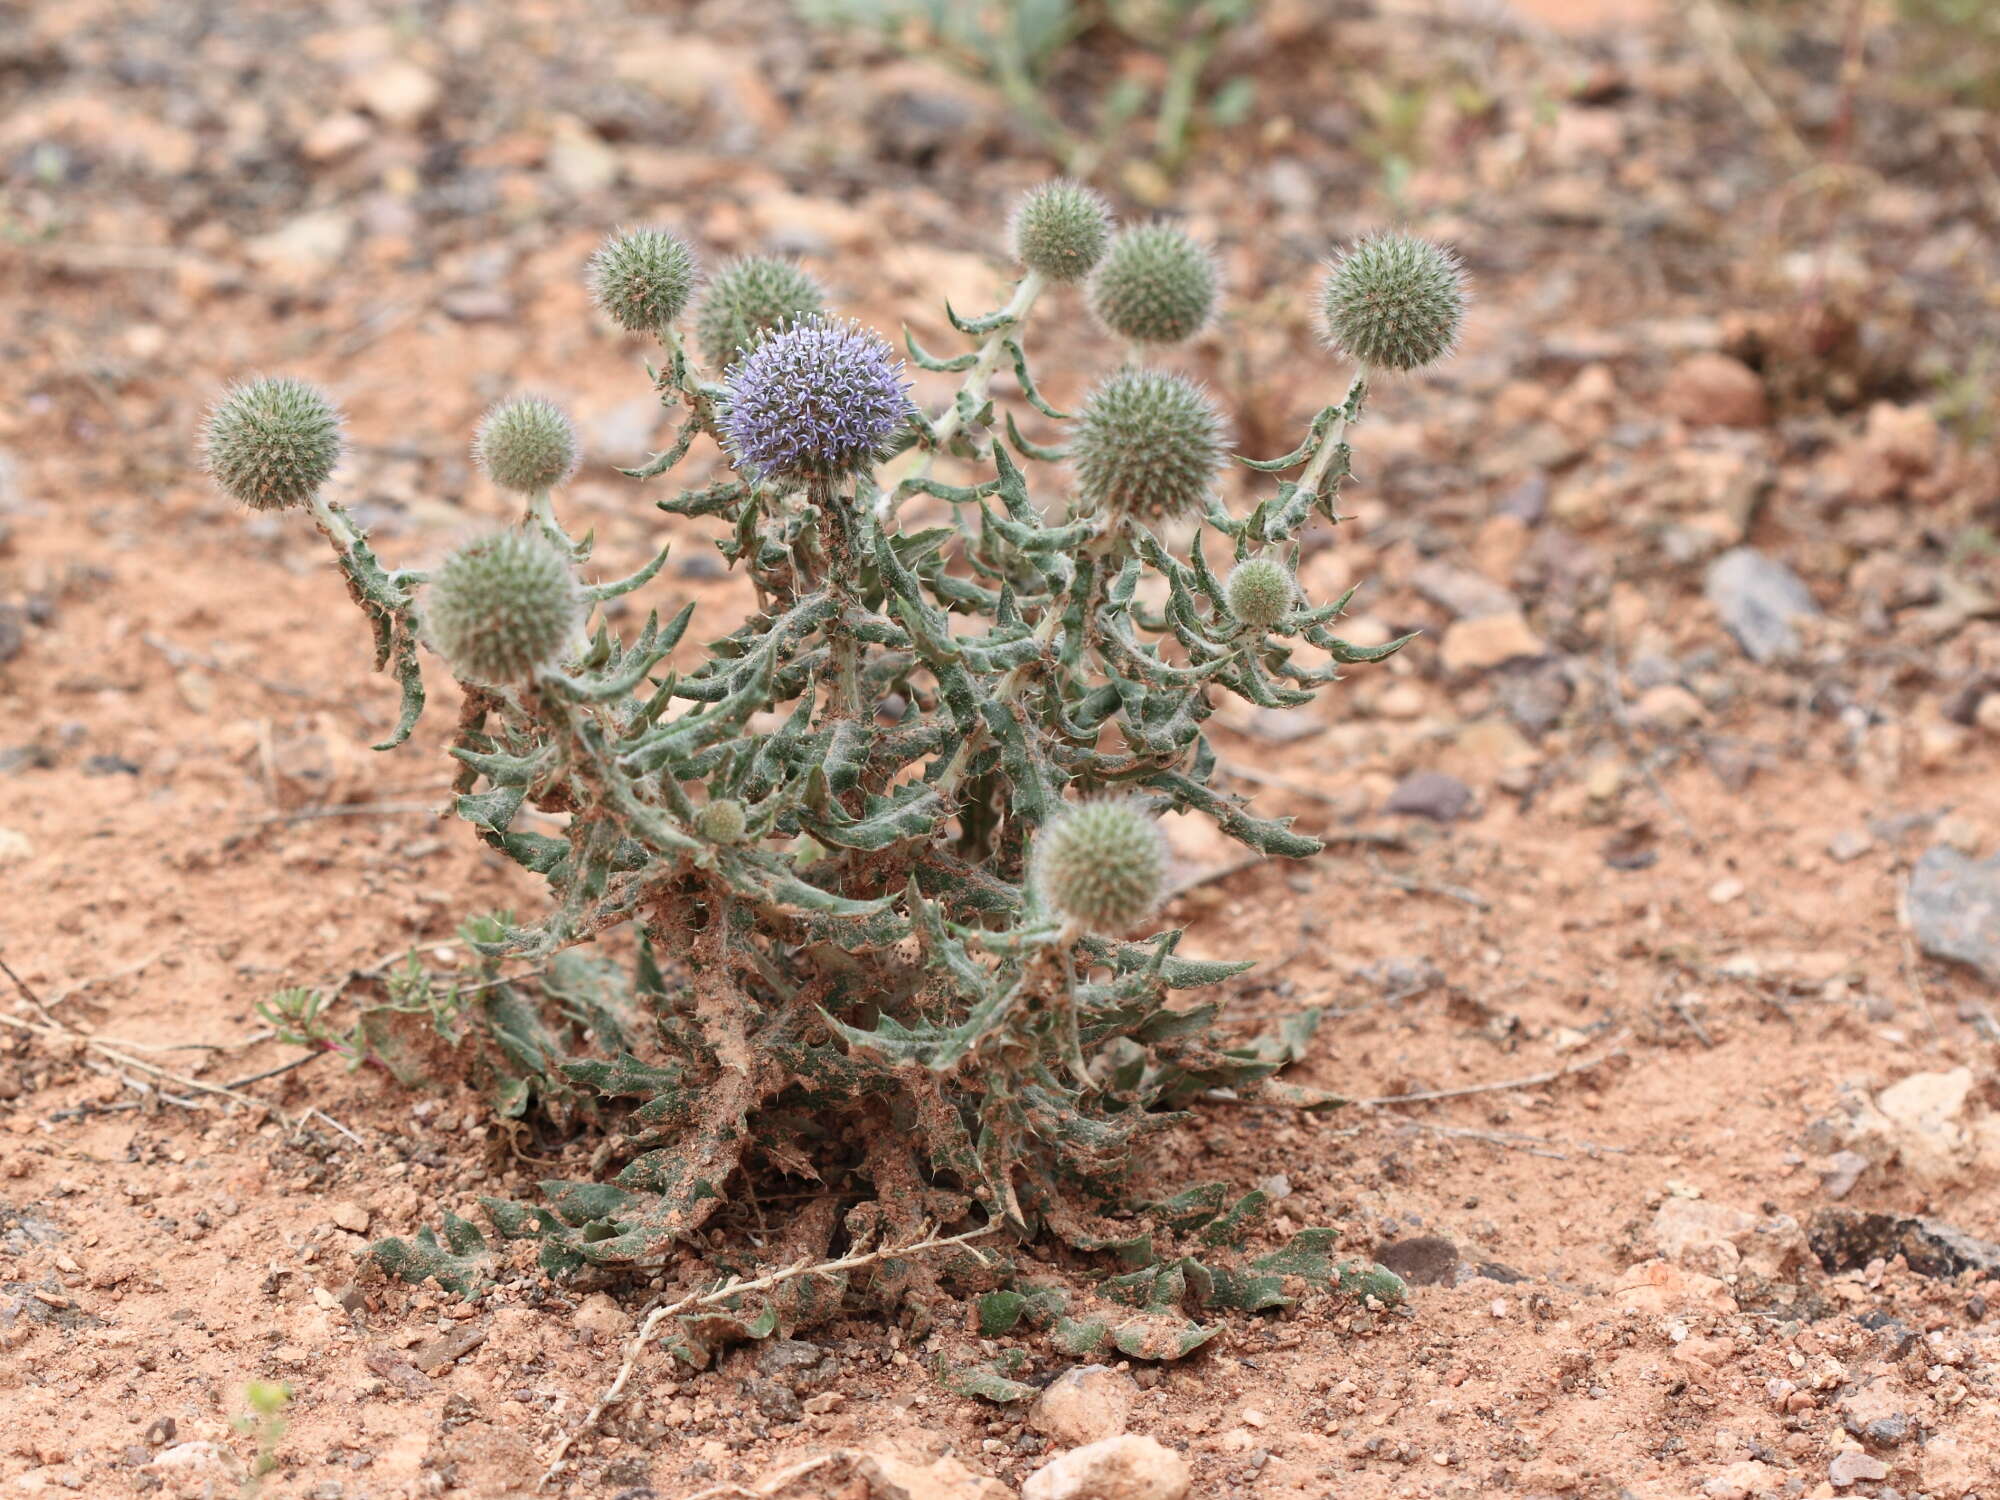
[
  {"x": 56, "y": 1028},
  {"x": 1533, "y": 1080},
  {"x": 636, "y": 1345},
  {"x": 1418, "y": 887},
  {"x": 771, "y": 1484},
  {"x": 1711, "y": 31}
]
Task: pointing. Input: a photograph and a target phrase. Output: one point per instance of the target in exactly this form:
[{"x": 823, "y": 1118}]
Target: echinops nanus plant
[
  {"x": 890, "y": 841},
  {"x": 746, "y": 299}
]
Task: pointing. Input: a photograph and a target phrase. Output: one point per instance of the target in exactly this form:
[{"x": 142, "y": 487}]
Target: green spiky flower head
[
  {"x": 527, "y": 445},
  {"x": 1102, "y": 864},
  {"x": 1155, "y": 285},
  {"x": 1394, "y": 302},
  {"x": 747, "y": 299},
  {"x": 721, "y": 821},
  {"x": 503, "y": 607},
  {"x": 1060, "y": 229},
  {"x": 1261, "y": 591},
  {"x": 271, "y": 443},
  {"x": 643, "y": 278},
  {"x": 1147, "y": 444}
]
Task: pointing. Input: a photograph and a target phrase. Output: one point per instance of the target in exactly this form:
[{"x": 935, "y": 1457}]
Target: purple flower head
[{"x": 816, "y": 400}]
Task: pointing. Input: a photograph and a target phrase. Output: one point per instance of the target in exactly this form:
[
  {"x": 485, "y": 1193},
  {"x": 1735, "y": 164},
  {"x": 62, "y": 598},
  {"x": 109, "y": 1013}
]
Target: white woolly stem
[
  {"x": 1335, "y": 434},
  {"x": 977, "y": 379},
  {"x": 333, "y": 521}
]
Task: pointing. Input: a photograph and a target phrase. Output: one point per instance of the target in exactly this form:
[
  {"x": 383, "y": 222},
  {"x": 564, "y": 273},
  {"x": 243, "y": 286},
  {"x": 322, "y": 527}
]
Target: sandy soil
[{"x": 1652, "y": 988}]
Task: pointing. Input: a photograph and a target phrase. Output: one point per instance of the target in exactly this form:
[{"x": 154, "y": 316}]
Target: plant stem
[
  {"x": 1357, "y": 392},
  {"x": 838, "y": 521},
  {"x": 977, "y": 378},
  {"x": 334, "y": 523}
]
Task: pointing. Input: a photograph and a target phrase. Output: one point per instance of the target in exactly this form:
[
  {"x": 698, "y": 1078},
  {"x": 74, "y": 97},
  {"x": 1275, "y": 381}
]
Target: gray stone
[
  {"x": 1954, "y": 906},
  {"x": 1758, "y": 598},
  {"x": 1890, "y": 1431},
  {"x": 1431, "y": 794},
  {"x": 1462, "y": 593},
  {"x": 1851, "y": 1468},
  {"x": 1422, "y": 1260}
]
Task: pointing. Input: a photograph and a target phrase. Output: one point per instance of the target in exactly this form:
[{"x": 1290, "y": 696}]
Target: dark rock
[
  {"x": 701, "y": 565},
  {"x": 1528, "y": 501},
  {"x": 1954, "y": 905},
  {"x": 1846, "y": 1239},
  {"x": 1534, "y": 694},
  {"x": 1895, "y": 1338},
  {"x": 1424, "y": 1260},
  {"x": 1431, "y": 794},
  {"x": 1889, "y": 1431},
  {"x": 109, "y": 765},
  {"x": 775, "y": 1399},
  {"x": 1757, "y": 598}
]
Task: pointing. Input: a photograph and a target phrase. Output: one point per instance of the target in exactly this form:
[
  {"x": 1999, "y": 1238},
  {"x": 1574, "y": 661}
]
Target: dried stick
[
  {"x": 1534, "y": 1145},
  {"x": 1418, "y": 887},
  {"x": 1712, "y": 32},
  {"x": 28, "y": 994},
  {"x": 1533, "y": 1080},
  {"x": 636, "y": 1345},
  {"x": 771, "y": 1484},
  {"x": 56, "y": 1028}
]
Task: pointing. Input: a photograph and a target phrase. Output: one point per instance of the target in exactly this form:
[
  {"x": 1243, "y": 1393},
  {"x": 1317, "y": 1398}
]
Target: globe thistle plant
[
  {"x": 818, "y": 400},
  {"x": 748, "y": 298},
  {"x": 721, "y": 821},
  {"x": 1155, "y": 285},
  {"x": 503, "y": 608},
  {"x": 1261, "y": 591},
  {"x": 889, "y": 837},
  {"x": 1393, "y": 302},
  {"x": 527, "y": 445},
  {"x": 1147, "y": 444},
  {"x": 1102, "y": 864},
  {"x": 272, "y": 443},
  {"x": 643, "y": 278},
  {"x": 1060, "y": 230}
]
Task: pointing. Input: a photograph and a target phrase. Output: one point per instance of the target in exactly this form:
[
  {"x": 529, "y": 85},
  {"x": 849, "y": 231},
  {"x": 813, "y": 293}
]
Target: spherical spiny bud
[
  {"x": 1060, "y": 229},
  {"x": 746, "y": 299},
  {"x": 643, "y": 278},
  {"x": 1102, "y": 864},
  {"x": 1394, "y": 302},
  {"x": 1155, "y": 285},
  {"x": 721, "y": 821},
  {"x": 1147, "y": 444},
  {"x": 503, "y": 607},
  {"x": 1261, "y": 591},
  {"x": 815, "y": 400},
  {"x": 527, "y": 445},
  {"x": 271, "y": 443}
]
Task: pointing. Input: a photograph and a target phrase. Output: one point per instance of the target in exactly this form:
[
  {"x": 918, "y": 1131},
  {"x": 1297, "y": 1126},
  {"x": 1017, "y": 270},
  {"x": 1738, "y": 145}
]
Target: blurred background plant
[{"x": 1021, "y": 46}]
